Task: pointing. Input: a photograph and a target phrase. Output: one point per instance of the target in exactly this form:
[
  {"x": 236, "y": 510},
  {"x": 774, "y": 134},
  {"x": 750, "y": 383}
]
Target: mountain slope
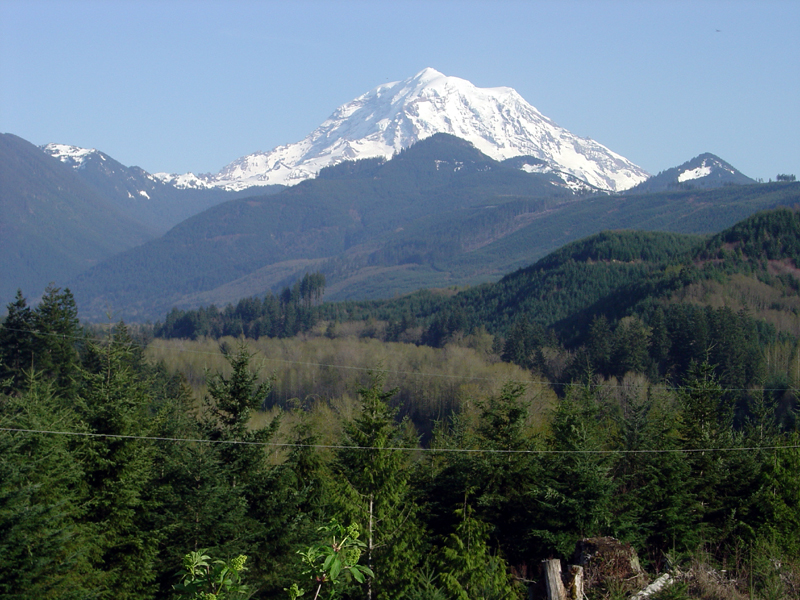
[
  {"x": 703, "y": 286},
  {"x": 485, "y": 243},
  {"x": 394, "y": 116},
  {"x": 604, "y": 306},
  {"x": 52, "y": 224}
]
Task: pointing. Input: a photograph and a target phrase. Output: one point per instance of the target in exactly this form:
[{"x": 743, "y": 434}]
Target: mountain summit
[
  {"x": 702, "y": 172},
  {"x": 394, "y": 116}
]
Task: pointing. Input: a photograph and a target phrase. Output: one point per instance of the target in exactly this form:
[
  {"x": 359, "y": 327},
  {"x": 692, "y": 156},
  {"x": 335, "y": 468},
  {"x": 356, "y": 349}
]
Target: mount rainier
[{"x": 394, "y": 116}]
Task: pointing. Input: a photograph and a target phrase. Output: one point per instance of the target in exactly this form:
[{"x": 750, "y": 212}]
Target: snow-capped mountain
[
  {"x": 393, "y": 116},
  {"x": 708, "y": 165},
  {"x": 703, "y": 171}
]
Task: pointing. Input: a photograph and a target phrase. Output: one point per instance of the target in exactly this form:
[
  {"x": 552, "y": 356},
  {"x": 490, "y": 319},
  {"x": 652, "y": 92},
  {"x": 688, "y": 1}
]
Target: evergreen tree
[
  {"x": 779, "y": 495},
  {"x": 496, "y": 473},
  {"x": 17, "y": 344},
  {"x": 506, "y": 477},
  {"x": 58, "y": 335},
  {"x": 44, "y": 547},
  {"x": 659, "y": 344},
  {"x": 578, "y": 486},
  {"x": 113, "y": 403},
  {"x": 601, "y": 344},
  {"x": 651, "y": 507},
  {"x": 722, "y": 480},
  {"x": 372, "y": 476},
  {"x": 269, "y": 529},
  {"x": 193, "y": 507},
  {"x": 631, "y": 343},
  {"x": 469, "y": 570},
  {"x": 523, "y": 346}
]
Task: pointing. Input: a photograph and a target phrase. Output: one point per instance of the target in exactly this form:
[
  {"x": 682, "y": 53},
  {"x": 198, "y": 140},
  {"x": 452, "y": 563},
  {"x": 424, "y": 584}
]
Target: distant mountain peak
[
  {"x": 428, "y": 74},
  {"x": 703, "y": 171},
  {"x": 707, "y": 164},
  {"x": 394, "y": 116}
]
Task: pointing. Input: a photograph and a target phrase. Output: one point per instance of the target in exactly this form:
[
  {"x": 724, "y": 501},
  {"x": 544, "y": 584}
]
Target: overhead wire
[{"x": 278, "y": 445}]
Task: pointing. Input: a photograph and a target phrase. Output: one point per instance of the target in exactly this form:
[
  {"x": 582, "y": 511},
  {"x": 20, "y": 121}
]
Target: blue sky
[{"x": 191, "y": 86}]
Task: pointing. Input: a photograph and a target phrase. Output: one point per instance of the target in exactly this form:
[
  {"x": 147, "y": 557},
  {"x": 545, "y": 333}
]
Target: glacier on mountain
[{"x": 393, "y": 116}]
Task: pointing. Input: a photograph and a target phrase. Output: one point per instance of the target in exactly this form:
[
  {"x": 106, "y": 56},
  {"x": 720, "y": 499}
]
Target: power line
[{"x": 393, "y": 448}]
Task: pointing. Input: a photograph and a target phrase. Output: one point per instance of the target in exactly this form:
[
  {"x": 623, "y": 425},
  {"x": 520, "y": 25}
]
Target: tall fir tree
[
  {"x": 17, "y": 344},
  {"x": 45, "y": 549},
  {"x": 578, "y": 484},
  {"x": 113, "y": 405},
  {"x": 651, "y": 507},
  {"x": 372, "y": 479},
  {"x": 469, "y": 569},
  {"x": 58, "y": 337},
  {"x": 267, "y": 532},
  {"x": 506, "y": 474}
]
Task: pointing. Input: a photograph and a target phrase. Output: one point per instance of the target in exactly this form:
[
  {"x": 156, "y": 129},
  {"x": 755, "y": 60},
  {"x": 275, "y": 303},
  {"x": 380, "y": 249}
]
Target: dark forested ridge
[
  {"x": 145, "y": 198},
  {"x": 438, "y": 214},
  {"x": 58, "y": 221},
  {"x": 346, "y": 216}
]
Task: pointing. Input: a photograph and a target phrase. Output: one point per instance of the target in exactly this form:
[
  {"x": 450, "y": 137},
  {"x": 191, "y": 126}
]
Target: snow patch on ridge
[
  {"x": 71, "y": 155},
  {"x": 536, "y": 168},
  {"x": 701, "y": 171},
  {"x": 185, "y": 181},
  {"x": 705, "y": 169}
]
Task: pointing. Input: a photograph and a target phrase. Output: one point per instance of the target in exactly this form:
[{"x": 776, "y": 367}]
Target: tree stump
[
  {"x": 607, "y": 561},
  {"x": 553, "y": 581},
  {"x": 575, "y": 591}
]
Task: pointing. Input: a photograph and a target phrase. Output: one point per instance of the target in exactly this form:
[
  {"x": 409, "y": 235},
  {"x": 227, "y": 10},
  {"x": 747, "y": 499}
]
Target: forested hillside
[{"x": 639, "y": 385}]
